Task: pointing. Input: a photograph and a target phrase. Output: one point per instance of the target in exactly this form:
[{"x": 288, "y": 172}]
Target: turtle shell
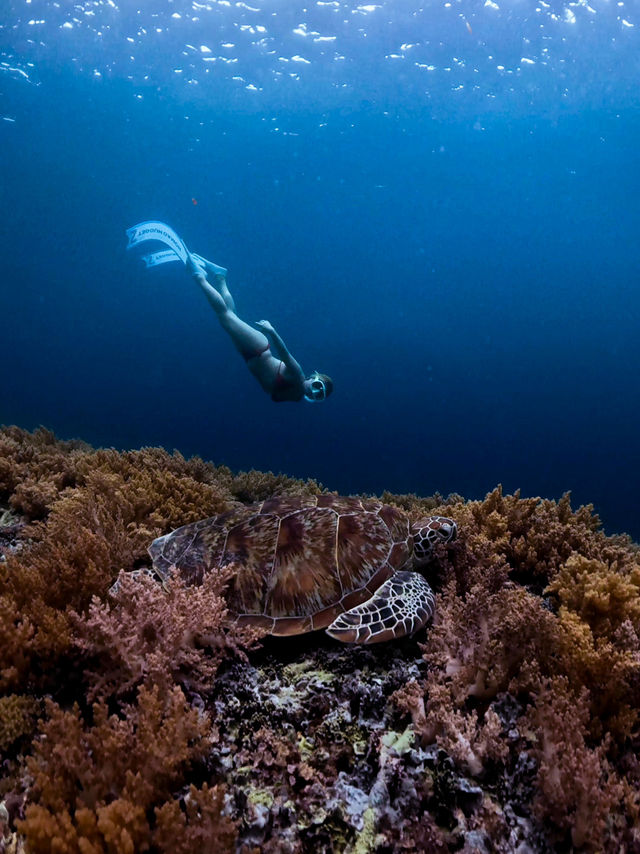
[{"x": 299, "y": 561}]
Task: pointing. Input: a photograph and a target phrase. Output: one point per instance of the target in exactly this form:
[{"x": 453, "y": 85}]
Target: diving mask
[{"x": 317, "y": 390}]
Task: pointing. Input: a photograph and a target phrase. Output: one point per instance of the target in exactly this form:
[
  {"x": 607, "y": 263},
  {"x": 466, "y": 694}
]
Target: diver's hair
[{"x": 328, "y": 382}]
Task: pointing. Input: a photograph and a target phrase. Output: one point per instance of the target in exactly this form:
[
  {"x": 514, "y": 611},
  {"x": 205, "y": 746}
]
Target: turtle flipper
[{"x": 401, "y": 606}]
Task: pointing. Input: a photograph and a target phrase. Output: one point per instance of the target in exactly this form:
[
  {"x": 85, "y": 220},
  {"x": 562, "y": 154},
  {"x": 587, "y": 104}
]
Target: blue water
[{"x": 445, "y": 220}]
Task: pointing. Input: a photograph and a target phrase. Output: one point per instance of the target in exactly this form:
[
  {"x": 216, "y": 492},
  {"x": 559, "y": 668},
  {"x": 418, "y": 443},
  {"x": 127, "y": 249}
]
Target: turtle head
[{"x": 428, "y": 532}]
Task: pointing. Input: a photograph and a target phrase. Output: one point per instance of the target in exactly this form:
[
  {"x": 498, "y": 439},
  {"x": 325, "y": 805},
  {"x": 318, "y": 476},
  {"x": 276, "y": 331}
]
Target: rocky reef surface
[{"x": 143, "y": 720}]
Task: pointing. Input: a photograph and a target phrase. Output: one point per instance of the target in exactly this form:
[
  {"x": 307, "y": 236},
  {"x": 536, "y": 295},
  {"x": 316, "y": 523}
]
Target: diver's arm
[{"x": 280, "y": 347}]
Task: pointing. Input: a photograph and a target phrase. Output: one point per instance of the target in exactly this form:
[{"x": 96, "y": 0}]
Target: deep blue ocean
[{"x": 438, "y": 204}]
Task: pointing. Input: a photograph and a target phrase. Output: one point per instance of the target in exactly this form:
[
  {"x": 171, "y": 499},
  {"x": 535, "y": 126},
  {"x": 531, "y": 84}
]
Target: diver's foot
[
  {"x": 210, "y": 267},
  {"x": 194, "y": 265}
]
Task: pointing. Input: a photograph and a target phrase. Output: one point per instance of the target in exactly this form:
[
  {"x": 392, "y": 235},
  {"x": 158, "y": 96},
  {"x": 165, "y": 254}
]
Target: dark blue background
[{"x": 472, "y": 288}]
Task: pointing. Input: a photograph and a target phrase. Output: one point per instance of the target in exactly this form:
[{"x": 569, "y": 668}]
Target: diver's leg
[
  {"x": 247, "y": 340},
  {"x": 220, "y": 274},
  {"x": 221, "y": 284},
  {"x": 213, "y": 296}
]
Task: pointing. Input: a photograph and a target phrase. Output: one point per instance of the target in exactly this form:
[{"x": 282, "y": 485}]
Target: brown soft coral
[
  {"x": 197, "y": 826},
  {"x": 110, "y": 507},
  {"x": 530, "y": 679},
  {"x": 472, "y": 647},
  {"x": 473, "y": 659},
  {"x": 111, "y": 785},
  {"x": 603, "y": 595},
  {"x": 609, "y": 671},
  {"x": 159, "y": 634},
  {"x": 577, "y": 787},
  {"x": 490, "y": 642},
  {"x": 575, "y": 656},
  {"x": 17, "y": 718},
  {"x": 73, "y": 558},
  {"x": 36, "y": 467},
  {"x": 531, "y": 537},
  {"x": 157, "y": 490},
  {"x": 252, "y": 486},
  {"x": 472, "y": 741}
]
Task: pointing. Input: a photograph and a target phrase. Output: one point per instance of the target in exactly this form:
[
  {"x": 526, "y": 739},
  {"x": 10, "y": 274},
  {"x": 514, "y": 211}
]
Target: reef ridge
[{"x": 145, "y": 721}]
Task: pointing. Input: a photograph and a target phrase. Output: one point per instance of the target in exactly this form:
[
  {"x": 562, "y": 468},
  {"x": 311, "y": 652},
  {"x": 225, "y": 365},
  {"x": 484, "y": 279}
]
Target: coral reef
[
  {"x": 156, "y": 634},
  {"x": 98, "y": 792},
  {"x": 136, "y": 717}
]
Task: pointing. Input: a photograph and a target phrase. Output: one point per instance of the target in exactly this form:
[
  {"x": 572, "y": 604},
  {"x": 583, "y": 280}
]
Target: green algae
[
  {"x": 261, "y": 797},
  {"x": 306, "y": 671},
  {"x": 399, "y": 742},
  {"x": 366, "y": 839}
]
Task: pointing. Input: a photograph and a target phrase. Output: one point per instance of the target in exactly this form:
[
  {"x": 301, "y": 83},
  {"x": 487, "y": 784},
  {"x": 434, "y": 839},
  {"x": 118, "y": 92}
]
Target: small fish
[
  {"x": 194, "y": 201},
  {"x": 469, "y": 26}
]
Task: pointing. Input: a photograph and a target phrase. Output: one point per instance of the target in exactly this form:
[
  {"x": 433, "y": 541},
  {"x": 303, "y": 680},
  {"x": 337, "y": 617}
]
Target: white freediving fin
[{"x": 159, "y": 231}]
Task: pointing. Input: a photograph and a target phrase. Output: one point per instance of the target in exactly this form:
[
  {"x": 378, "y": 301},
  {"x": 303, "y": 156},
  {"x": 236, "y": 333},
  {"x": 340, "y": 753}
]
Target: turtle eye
[{"x": 447, "y": 530}]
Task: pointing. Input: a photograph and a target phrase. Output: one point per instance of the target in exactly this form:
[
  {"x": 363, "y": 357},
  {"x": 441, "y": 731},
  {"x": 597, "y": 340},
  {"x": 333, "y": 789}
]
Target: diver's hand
[{"x": 265, "y": 325}]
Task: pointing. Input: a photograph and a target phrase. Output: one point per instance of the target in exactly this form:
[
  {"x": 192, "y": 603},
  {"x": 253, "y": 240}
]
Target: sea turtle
[{"x": 319, "y": 562}]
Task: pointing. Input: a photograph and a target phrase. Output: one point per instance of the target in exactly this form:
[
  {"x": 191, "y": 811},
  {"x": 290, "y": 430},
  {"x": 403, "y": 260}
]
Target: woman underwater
[{"x": 279, "y": 375}]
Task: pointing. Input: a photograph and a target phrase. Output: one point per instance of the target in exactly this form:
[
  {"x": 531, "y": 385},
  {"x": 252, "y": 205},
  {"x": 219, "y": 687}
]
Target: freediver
[{"x": 280, "y": 375}]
